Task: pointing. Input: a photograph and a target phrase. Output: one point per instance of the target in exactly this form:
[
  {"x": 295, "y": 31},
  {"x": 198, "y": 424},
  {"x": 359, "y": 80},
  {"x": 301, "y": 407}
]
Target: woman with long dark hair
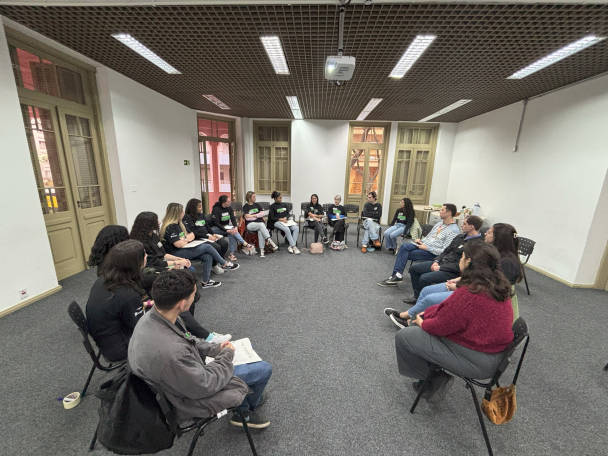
[
  {"x": 277, "y": 219},
  {"x": 194, "y": 220},
  {"x": 502, "y": 236},
  {"x": 314, "y": 212},
  {"x": 401, "y": 223},
  {"x": 225, "y": 224},
  {"x": 107, "y": 238},
  {"x": 117, "y": 301},
  {"x": 467, "y": 332}
]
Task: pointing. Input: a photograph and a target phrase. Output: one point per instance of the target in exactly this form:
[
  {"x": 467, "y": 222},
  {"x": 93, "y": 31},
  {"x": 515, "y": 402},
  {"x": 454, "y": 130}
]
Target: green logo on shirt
[
  {"x": 282, "y": 209},
  {"x": 336, "y": 211},
  {"x": 200, "y": 223}
]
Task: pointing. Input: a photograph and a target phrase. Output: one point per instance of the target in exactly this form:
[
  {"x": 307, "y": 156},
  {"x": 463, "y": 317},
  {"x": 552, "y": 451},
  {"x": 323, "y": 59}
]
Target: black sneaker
[
  {"x": 253, "y": 419},
  {"x": 210, "y": 284},
  {"x": 411, "y": 300},
  {"x": 325, "y": 240},
  {"x": 230, "y": 266},
  {"x": 418, "y": 385},
  {"x": 439, "y": 386},
  {"x": 395, "y": 318}
]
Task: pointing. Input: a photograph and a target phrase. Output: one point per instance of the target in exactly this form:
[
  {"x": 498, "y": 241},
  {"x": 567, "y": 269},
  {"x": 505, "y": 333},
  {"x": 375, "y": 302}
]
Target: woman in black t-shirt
[
  {"x": 336, "y": 216},
  {"x": 224, "y": 223},
  {"x": 314, "y": 212},
  {"x": 107, "y": 238},
  {"x": 401, "y": 223},
  {"x": 194, "y": 220},
  {"x": 278, "y": 217},
  {"x": 254, "y": 220}
]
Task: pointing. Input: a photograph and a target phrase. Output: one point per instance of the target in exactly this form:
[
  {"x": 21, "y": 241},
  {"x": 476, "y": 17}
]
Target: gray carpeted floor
[{"x": 335, "y": 390}]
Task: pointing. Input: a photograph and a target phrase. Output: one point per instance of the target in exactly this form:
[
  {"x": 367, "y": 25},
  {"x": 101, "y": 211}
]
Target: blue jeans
[
  {"x": 410, "y": 252},
  {"x": 371, "y": 231},
  {"x": 291, "y": 232},
  {"x": 256, "y": 375},
  {"x": 232, "y": 239},
  {"x": 392, "y": 233},
  {"x": 263, "y": 234},
  {"x": 206, "y": 253},
  {"x": 429, "y": 296}
]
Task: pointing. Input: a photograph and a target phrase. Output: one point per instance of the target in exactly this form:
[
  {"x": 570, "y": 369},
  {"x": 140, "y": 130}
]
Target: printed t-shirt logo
[
  {"x": 401, "y": 216},
  {"x": 255, "y": 210},
  {"x": 200, "y": 223},
  {"x": 337, "y": 211},
  {"x": 182, "y": 235},
  {"x": 225, "y": 216},
  {"x": 281, "y": 209}
]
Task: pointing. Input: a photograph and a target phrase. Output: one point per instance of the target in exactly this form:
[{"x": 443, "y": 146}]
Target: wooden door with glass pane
[
  {"x": 413, "y": 166},
  {"x": 272, "y": 159},
  {"x": 53, "y": 183},
  {"x": 366, "y": 163},
  {"x": 83, "y": 163}
]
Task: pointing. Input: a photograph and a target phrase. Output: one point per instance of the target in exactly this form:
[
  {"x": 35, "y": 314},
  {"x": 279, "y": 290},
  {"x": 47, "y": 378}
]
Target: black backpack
[{"x": 130, "y": 418}]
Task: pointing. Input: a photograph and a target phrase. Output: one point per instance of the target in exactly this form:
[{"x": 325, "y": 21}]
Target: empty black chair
[
  {"x": 526, "y": 247},
  {"x": 520, "y": 336},
  {"x": 265, "y": 205},
  {"x": 301, "y": 218},
  {"x": 237, "y": 207},
  {"x": 75, "y": 313},
  {"x": 350, "y": 209}
]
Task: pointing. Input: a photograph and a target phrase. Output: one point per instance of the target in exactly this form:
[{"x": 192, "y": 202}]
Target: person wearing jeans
[
  {"x": 224, "y": 223},
  {"x": 175, "y": 237},
  {"x": 372, "y": 211},
  {"x": 428, "y": 248},
  {"x": 254, "y": 219},
  {"x": 402, "y": 221},
  {"x": 277, "y": 217}
]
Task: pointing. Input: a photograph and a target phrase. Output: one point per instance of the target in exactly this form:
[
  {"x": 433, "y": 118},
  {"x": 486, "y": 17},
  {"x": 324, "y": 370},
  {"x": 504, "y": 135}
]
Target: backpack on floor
[{"x": 316, "y": 247}]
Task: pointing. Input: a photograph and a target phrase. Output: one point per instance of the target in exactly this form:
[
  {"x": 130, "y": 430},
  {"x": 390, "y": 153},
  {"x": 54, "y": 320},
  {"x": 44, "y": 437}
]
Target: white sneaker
[
  {"x": 217, "y": 269},
  {"x": 290, "y": 249},
  {"x": 219, "y": 338},
  {"x": 272, "y": 244},
  {"x": 262, "y": 253},
  {"x": 295, "y": 250}
]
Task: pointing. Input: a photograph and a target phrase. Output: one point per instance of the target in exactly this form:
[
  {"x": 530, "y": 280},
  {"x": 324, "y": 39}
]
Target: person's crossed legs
[
  {"x": 406, "y": 252},
  {"x": 422, "y": 276}
]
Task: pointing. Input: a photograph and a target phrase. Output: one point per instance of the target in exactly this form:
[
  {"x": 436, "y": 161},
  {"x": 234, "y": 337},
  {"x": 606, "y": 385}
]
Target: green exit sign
[{"x": 187, "y": 162}]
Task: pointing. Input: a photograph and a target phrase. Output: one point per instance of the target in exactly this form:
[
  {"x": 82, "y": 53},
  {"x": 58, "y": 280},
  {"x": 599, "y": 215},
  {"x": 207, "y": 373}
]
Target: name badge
[{"x": 160, "y": 244}]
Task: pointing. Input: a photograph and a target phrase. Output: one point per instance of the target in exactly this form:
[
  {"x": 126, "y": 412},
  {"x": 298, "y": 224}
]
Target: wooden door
[
  {"x": 43, "y": 133},
  {"x": 84, "y": 166}
]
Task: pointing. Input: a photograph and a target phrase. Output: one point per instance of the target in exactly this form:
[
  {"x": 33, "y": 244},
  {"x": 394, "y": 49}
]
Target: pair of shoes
[
  {"x": 391, "y": 250},
  {"x": 395, "y": 318},
  {"x": 290, "y": 249},
  {"x": 218, "y": 338},
  {"x": 325, "y": 240},
  {"x": 392, "y": 281},
  {"x": 363, "y": 249},
  {"x": 210, "y": 284},
  {"x": 273, "y": 246},
  {"x": 253, "y": 419},
  {"x": 439, "y": 386},
  {"x": 411, "y": 300},
  {"x": 230, "y": 266},
  {"x": 377, "y": 244},
  {"x": 217, "y": 269}
]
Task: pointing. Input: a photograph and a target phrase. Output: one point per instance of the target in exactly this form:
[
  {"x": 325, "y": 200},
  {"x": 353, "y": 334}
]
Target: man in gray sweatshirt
[{"x": 164, "y": 353}]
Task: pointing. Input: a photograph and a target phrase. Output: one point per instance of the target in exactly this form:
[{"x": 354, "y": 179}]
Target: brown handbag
[
  {"x": 501, "y": 405},
  {"x": 316, "y": 247}
]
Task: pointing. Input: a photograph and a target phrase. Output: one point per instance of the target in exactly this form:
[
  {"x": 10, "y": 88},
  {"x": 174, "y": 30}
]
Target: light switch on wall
[{"x": 133, "y": 188}]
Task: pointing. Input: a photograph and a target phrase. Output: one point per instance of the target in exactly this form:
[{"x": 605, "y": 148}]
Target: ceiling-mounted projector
[{"x": 339, "y": 68}]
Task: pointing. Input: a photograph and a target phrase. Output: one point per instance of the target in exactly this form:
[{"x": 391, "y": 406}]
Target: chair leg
[
  {"x": 200, "y": 431},
  {"x": 606, "y": 367},
  {"x": 480, "y": 416},
  {"x": 526, "y": 281},
  {"x": 92, "y": 445},
  {"x": 427, "y": 380},
  {"x": 244, "y": 421},
  {"x": 86, "y": 385}
]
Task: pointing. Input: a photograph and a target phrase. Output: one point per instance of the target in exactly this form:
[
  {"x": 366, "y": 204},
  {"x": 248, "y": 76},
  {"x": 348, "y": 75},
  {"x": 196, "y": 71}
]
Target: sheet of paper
[
  {"x": 289, "y": 223},
  {"x": 243, "y": 353},
  {"x": 228, "y": 227},
  {"x": 189, "y": 245}
]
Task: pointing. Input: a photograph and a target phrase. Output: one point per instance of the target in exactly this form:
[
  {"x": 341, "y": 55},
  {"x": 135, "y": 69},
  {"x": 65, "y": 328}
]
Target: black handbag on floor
[{"x": 130, "y": 418}]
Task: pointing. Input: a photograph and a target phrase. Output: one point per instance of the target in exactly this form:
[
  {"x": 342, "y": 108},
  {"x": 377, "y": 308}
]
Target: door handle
[{"x": 78, "y": 202}]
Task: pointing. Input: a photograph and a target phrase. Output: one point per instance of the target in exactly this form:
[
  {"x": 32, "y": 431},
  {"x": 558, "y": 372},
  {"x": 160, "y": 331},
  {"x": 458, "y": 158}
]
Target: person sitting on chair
[
  {"x": 107, "y": 238},
  {"x": 314, "y": 212},
  {"x": 164, "y": 353},
  {"x": 467, "y": 332},
  {"x": 194, "y": 220},
  {"x": 277, "y": 217},
  {"x": 427, "y": 248},
  {"x": 336, "y": 217},
  {"x": 254, "y": 220},
  {"x": 224, "y": 223},
  {"x": 502, "y": 236},
  {"x": 372, "y": 211},
  {"x": 401, "y": 223}
]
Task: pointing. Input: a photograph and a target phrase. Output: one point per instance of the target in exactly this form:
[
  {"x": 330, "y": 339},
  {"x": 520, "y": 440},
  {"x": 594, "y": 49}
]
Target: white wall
[
  {"x": 149, "y": 137},
  {"x": 443, "y": 163},
  {"x": 550, "y": 189},
  {"x": 22, "y": 222}
]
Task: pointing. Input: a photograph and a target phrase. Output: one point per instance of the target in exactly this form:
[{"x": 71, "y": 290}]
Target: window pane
[
  {"x": 420, "y": 167},
  {"x": 205, "y": 127},
  {"x": 424, "y": 136},
  {"x": 70, "y": 83},
  {"x": 281, "y": 133},
  {"x": 357, "y": 165},
  {"x": 222, "y": 130},
  {"x": 81, "y": 146},
  {"x": 401, "y": 173},
  {"x": 83, "y": 196},
  {"x": 368, "y": 134},
  {"x": 375, "y": 165},
  {"x": 264, "y": 168},
  {"x": 281, "y": 168},
  {"x": 95, "y": 196}
]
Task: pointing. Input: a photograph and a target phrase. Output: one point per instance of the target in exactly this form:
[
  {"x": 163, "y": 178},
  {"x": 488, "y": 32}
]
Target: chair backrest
[
  {"x": 236, "y": 206},
  {"x": 289, "y": 208},
  {"x": 265, "y": 205},
  {"x": 326, "y": 208},
  {"x": 77, "y": 316},
  {"x": 303, "y": 207},
  {"x": 483, "y": 230},
  {"x": 208, "y": 218},
  {"x": 426, "y": 229},
  {"x": 526, "y": 247},
  {"x": 165, "y": 407},
  {"x": 351, "y": 208},
  {"x": 520, "y": 334}
]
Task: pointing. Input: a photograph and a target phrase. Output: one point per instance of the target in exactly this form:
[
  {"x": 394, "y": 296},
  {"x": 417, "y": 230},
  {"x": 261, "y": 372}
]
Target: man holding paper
[{"x": 164, "y": 353}]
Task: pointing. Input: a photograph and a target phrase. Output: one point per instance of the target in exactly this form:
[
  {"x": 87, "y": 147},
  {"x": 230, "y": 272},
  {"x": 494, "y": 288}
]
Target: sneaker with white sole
[
  {"x": 217, "y": 269},
  {"x": 262, "y": 253},
  {"x": 295, "y": 250},
  {"x": 395, "y": 318},
  {"x": 273, "y": 246},
  {"x": 210, "y": 284},
  {"x": 219, "y": 338},
  {"x": 254, "y": 419},
  {"x": 230, "y": 266},
  {"x": 290, "y": 249}
]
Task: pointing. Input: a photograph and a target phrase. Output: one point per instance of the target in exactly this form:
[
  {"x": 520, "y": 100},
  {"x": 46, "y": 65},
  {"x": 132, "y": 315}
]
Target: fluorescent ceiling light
[
  {"x": 413, "y": 53},
  {"x": 273, "y": 47},
  {"x": 214, "y": 99},
  {"x": 295, "y": 107},
  {"x": 453, "y": 106},
  {"x": 146, "y": 53},
  {"x": 369, "y": 108},
  {"x": 558, "y": 55}
]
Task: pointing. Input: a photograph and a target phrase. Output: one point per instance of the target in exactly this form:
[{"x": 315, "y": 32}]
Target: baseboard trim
[
  {"x": 29, "y": 301},
  {"x": 559, "y": 279}
]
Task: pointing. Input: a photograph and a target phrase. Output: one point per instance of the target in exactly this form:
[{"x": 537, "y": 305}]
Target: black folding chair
[
  {"x": 75, "y": 313},
  {"x": 526, "y": 247},
  {"x": 350, "y": 209},
  {"x": 265, "y": 205},
  {"x": 237, "y": 207},
  {"x": 521, "y": 336}
]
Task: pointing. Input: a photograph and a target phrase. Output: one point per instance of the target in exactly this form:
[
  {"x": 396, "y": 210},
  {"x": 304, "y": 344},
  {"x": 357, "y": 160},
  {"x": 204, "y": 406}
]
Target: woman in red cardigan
[{"x": 467, "y": 332}]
